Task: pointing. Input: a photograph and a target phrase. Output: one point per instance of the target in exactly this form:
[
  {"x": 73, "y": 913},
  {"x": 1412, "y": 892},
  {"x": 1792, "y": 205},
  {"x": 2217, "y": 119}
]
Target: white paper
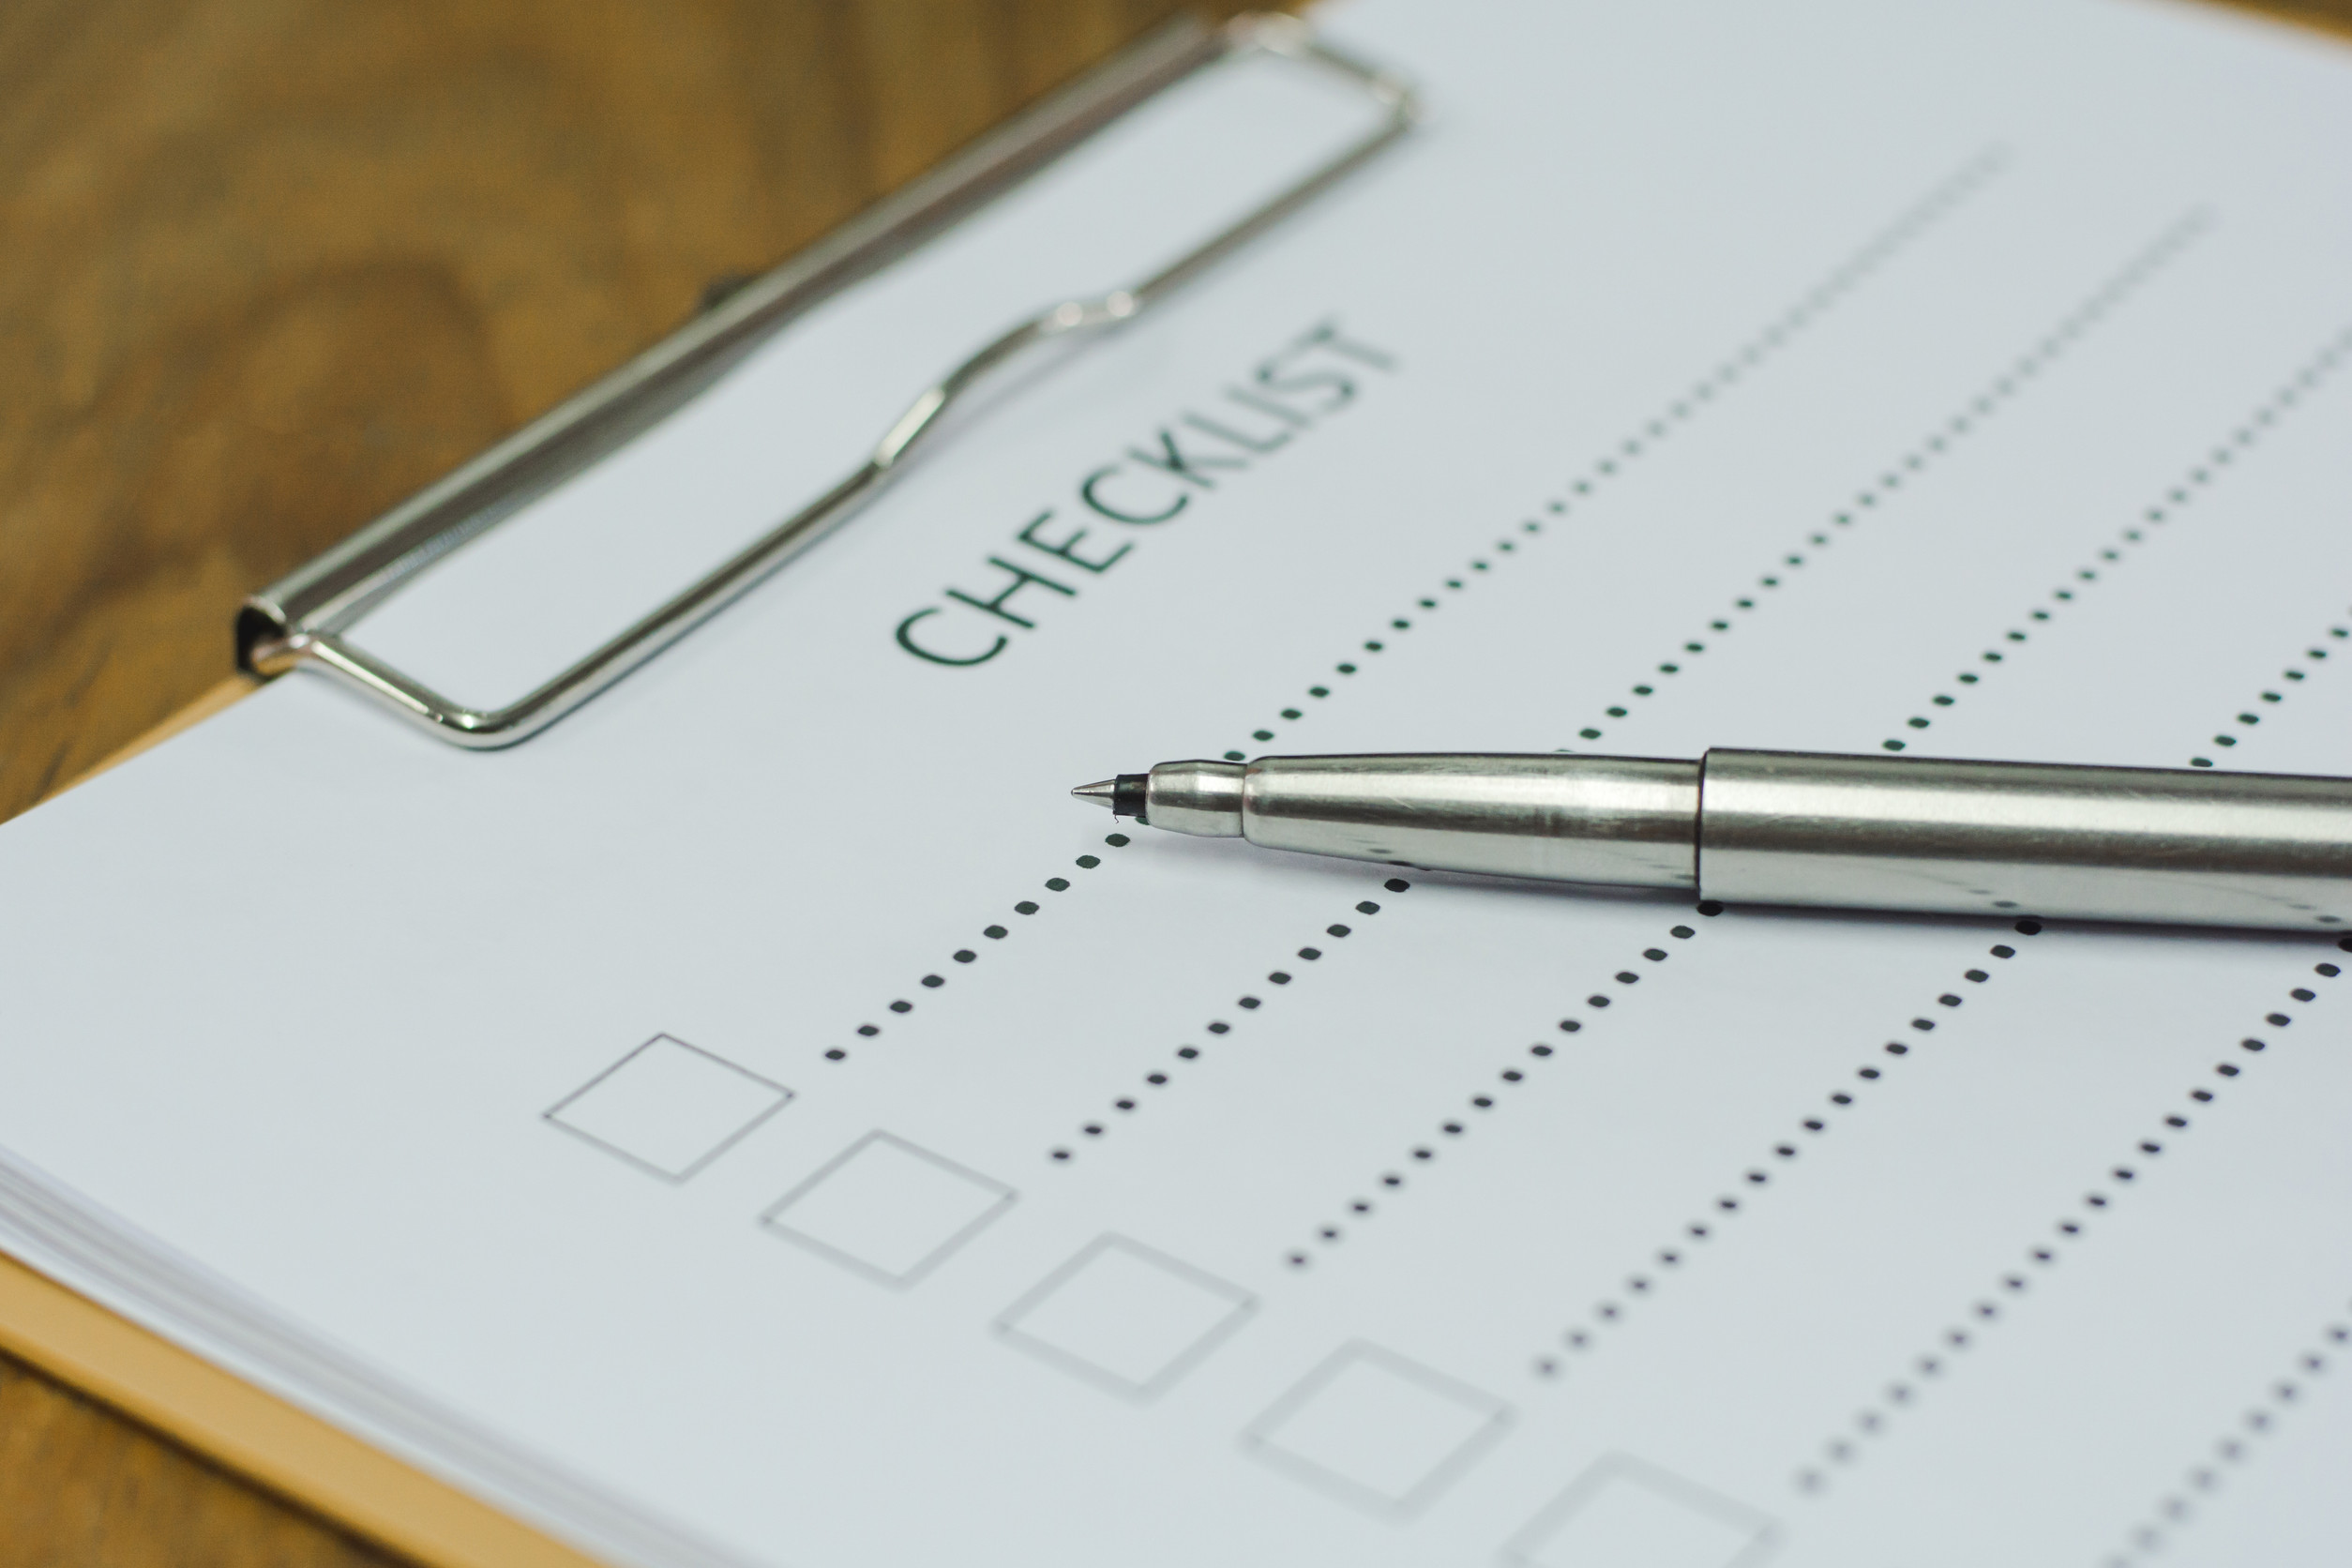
[{"x": 1714, "y": 376}]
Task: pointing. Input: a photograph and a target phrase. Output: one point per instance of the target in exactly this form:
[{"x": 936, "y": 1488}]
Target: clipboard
[
  {"x": 297, "y": 1454},
  {"x": 303, "y": 621}
]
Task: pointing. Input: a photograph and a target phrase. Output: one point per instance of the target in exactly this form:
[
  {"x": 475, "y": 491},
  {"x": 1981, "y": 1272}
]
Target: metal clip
[{"x": 302, "y": 618}]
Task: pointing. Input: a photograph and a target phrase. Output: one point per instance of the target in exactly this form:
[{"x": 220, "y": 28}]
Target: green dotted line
[
  {"x": 2236, "y": 1446},
  {"x": 1479, "y": 1104},
  {"x": 2290, "y": 677},
  {"x": 2072, "y": 1226},
  {"x": 1642, "y": 1284},
  {"x": 2191, "y": 485},
  {"x": 1024, "y": 908},
  {"x": 1990, "y": 400},
  {"x": 1946, "y": 195},
  {"x": 1157, "y": 1079}
]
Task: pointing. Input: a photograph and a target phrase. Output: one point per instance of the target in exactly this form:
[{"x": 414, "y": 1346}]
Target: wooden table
[{"x": 274, "y": 263}]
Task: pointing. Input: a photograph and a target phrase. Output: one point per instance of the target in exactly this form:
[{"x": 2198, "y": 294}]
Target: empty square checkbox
[
  {"x": 888, "y": 1209},
  {"x": 669, "y": 1107},
  {"x": 1127, "y": 1316},
  {"x": 1623, "y": 1513},
  {"x": 1378, "y": 1429}
]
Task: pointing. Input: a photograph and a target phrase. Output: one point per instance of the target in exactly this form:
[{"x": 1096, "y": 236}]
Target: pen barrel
[
  {"x": 1628, "y": 820},
  {"x": 2160, "y": 845}
]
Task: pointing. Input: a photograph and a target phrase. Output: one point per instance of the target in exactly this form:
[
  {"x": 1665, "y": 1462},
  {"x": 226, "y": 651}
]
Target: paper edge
[{"x": 286, "y": 1450}]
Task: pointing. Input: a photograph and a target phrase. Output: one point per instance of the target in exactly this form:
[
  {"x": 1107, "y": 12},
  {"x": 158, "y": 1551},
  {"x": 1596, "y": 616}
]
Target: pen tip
[{"x": 1102, "y": 794}]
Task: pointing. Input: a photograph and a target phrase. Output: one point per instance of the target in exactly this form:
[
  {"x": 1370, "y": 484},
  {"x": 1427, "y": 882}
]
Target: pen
[{"x": 2170, "y": 846}]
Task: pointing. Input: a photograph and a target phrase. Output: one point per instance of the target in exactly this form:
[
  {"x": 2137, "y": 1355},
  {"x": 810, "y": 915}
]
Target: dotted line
[
  {"x": 1915, "y": 221},
  {"x": 1946, "y": 195},
  {"x": 1972, "y": 415},
  {"x": 1024, "y": 909},
  {"x": 2181, "y": 494},
  {"x": 2291, "y": 676},
  {"x": 1734, "y": 1200},
  {"x": 1393, "y": 1180},
  {"x": 2233, "y": 1448},
  {"x": 1902, "y": 1393},
  {"x": 1162, "y": 1078}
]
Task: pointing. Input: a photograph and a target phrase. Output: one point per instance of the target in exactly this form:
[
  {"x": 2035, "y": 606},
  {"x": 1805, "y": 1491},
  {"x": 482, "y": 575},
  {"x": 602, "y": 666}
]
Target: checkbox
[
  {"x": 669, "y": 1107},
  {"x": 888, "y": 1209},
  {"x": 1623, "y": 1513},
  {"x": 1376, "y": 1429},
  {"x": 1127, "y": 1316}
]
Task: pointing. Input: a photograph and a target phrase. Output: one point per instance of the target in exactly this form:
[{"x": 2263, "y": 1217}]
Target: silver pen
[{"x": 2162, "y": 844}]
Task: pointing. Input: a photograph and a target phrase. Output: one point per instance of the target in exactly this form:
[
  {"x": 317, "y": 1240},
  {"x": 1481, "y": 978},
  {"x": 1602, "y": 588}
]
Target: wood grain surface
[
  {"x": 274, "y": 263},
  {"x": 81, "y": 1487}
]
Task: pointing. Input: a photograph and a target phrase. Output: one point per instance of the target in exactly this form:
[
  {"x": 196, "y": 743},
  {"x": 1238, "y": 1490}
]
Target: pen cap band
[{"x": 1198, "y": 797}]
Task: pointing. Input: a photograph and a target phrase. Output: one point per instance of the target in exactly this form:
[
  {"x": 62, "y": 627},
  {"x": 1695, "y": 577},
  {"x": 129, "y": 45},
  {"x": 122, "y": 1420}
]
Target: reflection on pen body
[{"x": 1776, "y": 827}]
